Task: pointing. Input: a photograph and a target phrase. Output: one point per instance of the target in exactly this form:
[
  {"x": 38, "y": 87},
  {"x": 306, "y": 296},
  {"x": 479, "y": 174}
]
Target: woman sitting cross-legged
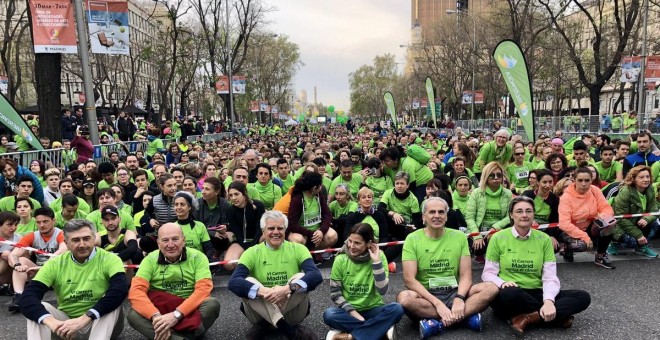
[{"x": 358, "y": 282}]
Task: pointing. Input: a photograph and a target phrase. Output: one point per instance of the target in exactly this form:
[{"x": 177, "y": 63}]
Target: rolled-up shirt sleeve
[
  {"x": 491, "y": 273},
  {"x": 550, "y": 280}
]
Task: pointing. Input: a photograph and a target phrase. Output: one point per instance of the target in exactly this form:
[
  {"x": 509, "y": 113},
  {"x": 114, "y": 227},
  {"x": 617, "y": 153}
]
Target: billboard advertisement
[
  {"x": 630, "y": 68},
  {"x": 108, "y": 26},
  {"x": 53, "y": 26},
  {"x": 222, "y": 85}
]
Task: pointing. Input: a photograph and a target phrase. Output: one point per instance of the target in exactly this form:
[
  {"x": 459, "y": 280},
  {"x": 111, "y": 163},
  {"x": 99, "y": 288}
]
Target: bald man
[
  {"x": 252, "y": 159},
  {"x": 171, "y": 293}
]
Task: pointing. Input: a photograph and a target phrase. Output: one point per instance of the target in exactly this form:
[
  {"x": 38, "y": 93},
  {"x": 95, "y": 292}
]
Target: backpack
[{"x": 418, "y": 153}]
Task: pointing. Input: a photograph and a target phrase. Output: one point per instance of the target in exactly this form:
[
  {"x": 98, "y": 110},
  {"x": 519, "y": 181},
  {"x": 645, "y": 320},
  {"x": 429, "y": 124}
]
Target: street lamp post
[
  {"x": 231, "y": 84},
  {"x": 641, "y": 91},
  {"x": 474, "y": 47}
]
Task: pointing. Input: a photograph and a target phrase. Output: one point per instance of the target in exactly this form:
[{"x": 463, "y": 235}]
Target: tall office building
[{"x": 426, "y": 13}]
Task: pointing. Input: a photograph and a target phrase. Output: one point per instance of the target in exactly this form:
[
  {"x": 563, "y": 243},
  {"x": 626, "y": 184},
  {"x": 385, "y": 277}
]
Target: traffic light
[{"x": 462, "y": 5}]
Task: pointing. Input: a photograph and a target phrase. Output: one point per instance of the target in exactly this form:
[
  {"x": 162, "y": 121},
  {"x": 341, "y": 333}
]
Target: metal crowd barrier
[
  {"x": 24, "y": 158},
  {"x": 211, "y": 137}
]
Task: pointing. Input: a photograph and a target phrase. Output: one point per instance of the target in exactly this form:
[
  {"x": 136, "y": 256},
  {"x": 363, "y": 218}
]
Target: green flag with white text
[
  {"x": 10, "y": 118},
  {"x": 511, "y": 62},
  {"x": 389, "y": 102},
  {"x": 429, "y": 92}
]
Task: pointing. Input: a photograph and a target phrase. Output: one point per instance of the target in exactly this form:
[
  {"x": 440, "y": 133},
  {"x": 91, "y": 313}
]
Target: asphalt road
[{"x": 625, "y": 304}]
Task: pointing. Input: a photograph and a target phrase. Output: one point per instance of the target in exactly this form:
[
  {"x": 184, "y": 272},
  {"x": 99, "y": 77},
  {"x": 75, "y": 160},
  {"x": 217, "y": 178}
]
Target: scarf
[
  {"x": 401, "y": 196},
  {"x": 362, "y": 258}
]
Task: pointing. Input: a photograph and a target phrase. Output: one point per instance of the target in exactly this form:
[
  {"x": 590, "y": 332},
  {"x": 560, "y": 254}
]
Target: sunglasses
[
  {"x": 519, "y": 154},
  {"x": 495, "y": 175}
]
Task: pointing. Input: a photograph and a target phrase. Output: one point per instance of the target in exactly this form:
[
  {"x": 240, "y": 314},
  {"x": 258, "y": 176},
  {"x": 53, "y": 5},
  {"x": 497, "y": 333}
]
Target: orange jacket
[{"x": 577, "y": 212}]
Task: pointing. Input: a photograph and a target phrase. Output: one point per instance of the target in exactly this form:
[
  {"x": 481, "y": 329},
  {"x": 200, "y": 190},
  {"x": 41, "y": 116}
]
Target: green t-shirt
[
  {"x": 24, "y": 229},
  {"x": 337, "y": 210},
  {"x": 311, "y": 217},
  {"x": 518, "y": 174},
  {"x": 521, "y": 261},
  {"x": 608, "y": 174},
  {"x": 438, "y": 260},
  {"x": 378, "y": 185},
  {"x": 56, "y": 205},
  {"x": 8, "y": 203},
  {"x": 195, "y": 236},
  {"x": 541, "y": 210},
  {"x": 353, "y": 184},
  {"x": 267, "y": 194},
  {"x": 103, "y": 184},
  {"x": 406, "y": 208},
  {"x": 642, "y": 200},
  {"x": 419, "y": 173},
  {"x": 136, "y": 219},
  {"x": 286, "y": 183},
  {"x": 274, "y": 267},
  {"x": 79, "y": 286},
  {"x": 358, "y": 286},
  {"x": 175, "y": 278},
  {"x": 60, "y": 221},
  {"x": 374, "y": 225},
  {"x": 126, "y": 221}
]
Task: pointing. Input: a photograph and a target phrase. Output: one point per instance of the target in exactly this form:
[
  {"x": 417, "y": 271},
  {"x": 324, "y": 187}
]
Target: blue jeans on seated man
[{"x": 377, "y": 320}]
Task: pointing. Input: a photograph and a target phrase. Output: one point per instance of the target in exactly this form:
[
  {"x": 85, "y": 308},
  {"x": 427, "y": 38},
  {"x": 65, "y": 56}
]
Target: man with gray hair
[
  {"x": 90, "y": 285},
  {"x": 171, "y": 292},
  {"x": 437, "y": 272},
  {"x": 273, "y": 279},
  {"x": 251, "y": 158}
]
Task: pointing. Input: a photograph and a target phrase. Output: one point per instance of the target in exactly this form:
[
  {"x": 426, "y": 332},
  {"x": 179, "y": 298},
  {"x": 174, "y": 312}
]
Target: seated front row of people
[{"x": 170, "y": 294}]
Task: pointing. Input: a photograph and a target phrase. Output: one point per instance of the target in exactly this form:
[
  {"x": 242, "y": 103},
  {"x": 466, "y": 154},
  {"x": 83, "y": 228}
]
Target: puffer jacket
[
  {"x": 37, "y": 193},
  {"x": 475, "y": 210},
  {"x": 628, "y": 202}
]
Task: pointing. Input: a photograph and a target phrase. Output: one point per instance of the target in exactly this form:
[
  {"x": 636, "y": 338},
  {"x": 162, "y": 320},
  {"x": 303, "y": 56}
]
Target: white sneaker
[
  {"x": 390, "y": 333},
  {"x": 331, "y": 334}
]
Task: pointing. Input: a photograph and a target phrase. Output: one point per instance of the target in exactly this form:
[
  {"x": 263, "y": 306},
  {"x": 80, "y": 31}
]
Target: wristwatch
[
  {"x": 459, "y": 296},
  {"x": 91, "y": 314},
  {"x": 294, "y": 287},
  {"x": 177, "y": 314}
]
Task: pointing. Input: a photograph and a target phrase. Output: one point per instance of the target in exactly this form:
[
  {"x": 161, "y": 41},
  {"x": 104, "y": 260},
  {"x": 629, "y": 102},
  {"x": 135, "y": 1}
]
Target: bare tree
[
  {"x": 13, "y": 30},
  {"x": 609, "y": 24}
]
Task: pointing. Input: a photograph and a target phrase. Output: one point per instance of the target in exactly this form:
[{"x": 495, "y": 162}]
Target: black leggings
[{"x": 514, "y": 301}]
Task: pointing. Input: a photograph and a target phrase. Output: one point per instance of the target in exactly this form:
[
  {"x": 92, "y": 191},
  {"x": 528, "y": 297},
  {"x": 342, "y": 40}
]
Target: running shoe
[
  {"x": 473, "y": 322},
  {"x": 391, "y": 267},
  {"x": 428, "y": 327},
  {"x": 646, "y": 251},
  {"x": 603, "y": 261},
  {"x": 14, "y": 307},
  {"x": 390, "y": 334}
]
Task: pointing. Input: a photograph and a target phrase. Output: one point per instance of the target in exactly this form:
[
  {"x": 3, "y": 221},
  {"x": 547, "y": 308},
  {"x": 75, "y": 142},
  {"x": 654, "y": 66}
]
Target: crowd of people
[{"x": 260, "y": 202}]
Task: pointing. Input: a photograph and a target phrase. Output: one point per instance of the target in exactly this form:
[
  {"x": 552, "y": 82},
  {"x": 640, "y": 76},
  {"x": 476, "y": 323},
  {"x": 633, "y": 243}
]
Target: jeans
[{"x": 377, "y": 320}]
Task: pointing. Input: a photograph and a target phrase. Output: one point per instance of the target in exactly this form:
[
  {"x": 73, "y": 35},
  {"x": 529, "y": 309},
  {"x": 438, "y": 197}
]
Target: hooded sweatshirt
[{"x": 577, "y": 212}]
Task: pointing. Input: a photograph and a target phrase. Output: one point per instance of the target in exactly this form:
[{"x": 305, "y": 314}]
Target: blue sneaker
[
  {"x": 473, "y": 322},
  {"x": 428, "y": 327},
  {"x": 645, "y": 250}
]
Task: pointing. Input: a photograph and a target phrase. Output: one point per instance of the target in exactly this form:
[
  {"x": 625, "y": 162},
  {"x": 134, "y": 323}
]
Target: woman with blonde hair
[
  {"x": 635, "y": 196},
  {"x": 486, "y": 209}
]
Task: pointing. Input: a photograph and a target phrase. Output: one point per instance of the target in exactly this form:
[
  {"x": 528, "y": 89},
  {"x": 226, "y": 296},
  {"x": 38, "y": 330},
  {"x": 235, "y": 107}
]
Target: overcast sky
[{"x": 338, "y": 36}]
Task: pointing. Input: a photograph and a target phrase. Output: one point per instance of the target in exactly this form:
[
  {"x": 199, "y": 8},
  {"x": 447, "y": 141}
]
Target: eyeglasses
[
  {"x": 531, "y": 177},
  {"x": 495, "y": 175},
  {"x": 123, "y": 174}
]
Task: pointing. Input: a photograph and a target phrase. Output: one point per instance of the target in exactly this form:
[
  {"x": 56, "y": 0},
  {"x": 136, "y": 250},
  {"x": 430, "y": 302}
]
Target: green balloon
[{"x": 331, "y": 108}]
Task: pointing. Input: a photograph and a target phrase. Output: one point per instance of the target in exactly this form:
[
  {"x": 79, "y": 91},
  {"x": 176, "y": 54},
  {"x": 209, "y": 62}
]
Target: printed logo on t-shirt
[{"x": 358, "y": 289}]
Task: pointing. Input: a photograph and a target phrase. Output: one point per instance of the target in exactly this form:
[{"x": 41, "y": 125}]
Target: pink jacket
[{"x": 577, "y": 212}]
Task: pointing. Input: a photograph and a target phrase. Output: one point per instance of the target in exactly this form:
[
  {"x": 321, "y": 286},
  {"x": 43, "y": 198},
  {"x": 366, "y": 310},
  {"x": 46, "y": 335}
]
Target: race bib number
[
  {"x": 312, "y": 221},
  {"x": 446, "y": 282},
  {"x": 522, "y": 175}
]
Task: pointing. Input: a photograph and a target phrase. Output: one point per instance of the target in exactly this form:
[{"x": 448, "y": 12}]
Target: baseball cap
[
  {"x": 88, "y": 181},
  {"x": 110, "y": 210}
]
